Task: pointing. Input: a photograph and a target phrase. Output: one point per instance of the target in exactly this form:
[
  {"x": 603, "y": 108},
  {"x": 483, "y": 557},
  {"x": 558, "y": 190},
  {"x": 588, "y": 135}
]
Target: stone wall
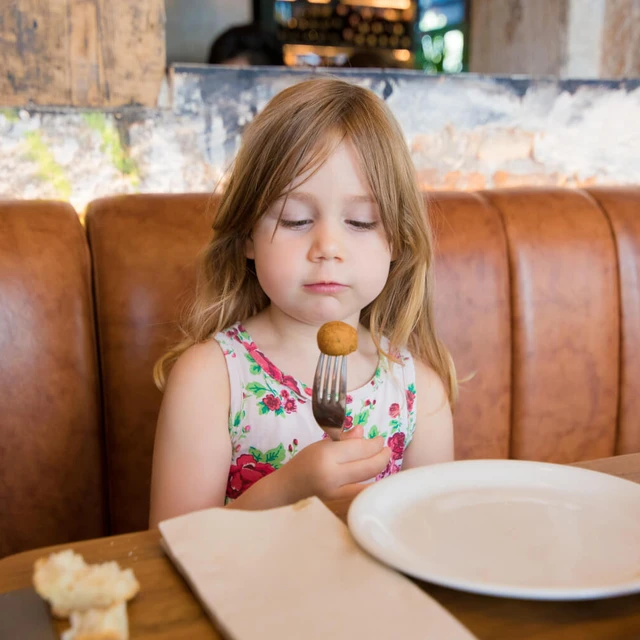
[{"x": 464, "y": 132}]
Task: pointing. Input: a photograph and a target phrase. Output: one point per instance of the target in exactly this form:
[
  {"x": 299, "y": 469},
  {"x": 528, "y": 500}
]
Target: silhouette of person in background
[
  {"x": 246, "y": 45},
  {"x": 370, "y": 58}
]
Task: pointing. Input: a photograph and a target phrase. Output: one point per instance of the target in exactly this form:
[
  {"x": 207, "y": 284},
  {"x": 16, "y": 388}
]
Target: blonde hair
[{"x": 296, "y": 132}]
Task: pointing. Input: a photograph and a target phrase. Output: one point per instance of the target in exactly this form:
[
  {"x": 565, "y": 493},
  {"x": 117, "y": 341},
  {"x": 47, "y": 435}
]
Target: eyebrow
[{"x": 302, "y": 196}]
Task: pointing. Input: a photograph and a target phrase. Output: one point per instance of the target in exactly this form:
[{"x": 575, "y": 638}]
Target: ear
[{"x": 248, "y": 249}]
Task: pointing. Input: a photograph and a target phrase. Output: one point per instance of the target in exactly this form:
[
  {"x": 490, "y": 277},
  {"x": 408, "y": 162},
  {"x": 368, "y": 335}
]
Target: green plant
[
  {"x": 48, "y": 169},
  {"x": 11, "y": 115},
  {"x": 111, "y": 145}
]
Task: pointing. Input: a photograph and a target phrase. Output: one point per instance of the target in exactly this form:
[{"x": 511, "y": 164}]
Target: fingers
[
  {"x": 357, "y": 448},
  {"x": 345, "y": 494},
  {"x": 364, "y": 469},
  {"x": 354, "y": 432}
]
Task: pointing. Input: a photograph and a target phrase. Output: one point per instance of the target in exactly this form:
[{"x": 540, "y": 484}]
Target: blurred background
[
  {"x": 110, "y": 96},
  {"x": 568, "y": 38},
  {"x": 426, "y": 34}
]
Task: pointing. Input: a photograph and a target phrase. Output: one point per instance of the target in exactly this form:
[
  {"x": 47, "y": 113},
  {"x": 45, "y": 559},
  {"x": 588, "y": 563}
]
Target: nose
[{"x": 327, "y": 242}]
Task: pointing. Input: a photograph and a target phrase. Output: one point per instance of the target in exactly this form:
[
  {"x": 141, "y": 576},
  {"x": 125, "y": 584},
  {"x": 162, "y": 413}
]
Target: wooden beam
[
  {"x": 90, "y": 53},
  {"x": 620, "y": 53},
  {"x": 518, "y": 36},
  {"x": 569, "y": 38}
]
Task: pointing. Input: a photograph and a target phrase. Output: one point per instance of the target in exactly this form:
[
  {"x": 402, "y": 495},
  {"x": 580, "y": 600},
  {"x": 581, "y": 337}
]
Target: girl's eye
[
  {"x": 363, "y": 226},
  {"x": 294, "y": 224}
]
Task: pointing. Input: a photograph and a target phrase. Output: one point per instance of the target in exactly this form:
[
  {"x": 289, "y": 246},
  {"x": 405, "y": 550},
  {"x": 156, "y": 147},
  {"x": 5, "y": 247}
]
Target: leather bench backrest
[
  {"x": 52, "y": 486},
  {"x": 143, "y": 249},
  {"x": 622, "y": 207},
  {"x": 537, "y": 296}
]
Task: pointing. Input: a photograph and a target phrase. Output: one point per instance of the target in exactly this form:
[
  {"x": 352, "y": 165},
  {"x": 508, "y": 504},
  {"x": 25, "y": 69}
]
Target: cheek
[
  {"x": 378, "y": 250},
  {"x": 374, "y": 268},
  {"x": 378, "y": 275},
  {"x": 275, "y": 267},
  {"x": 383, "y": 254}
]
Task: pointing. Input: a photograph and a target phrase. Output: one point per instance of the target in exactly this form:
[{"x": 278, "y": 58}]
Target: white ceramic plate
[{"x": 506, "y": 527}]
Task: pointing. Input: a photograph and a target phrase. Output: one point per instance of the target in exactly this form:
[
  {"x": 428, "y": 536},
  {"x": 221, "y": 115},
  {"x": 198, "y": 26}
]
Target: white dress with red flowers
[{"x": 270, "y": 417}]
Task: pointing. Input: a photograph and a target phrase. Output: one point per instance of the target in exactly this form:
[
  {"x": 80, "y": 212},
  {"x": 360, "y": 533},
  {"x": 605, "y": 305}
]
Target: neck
[{"x": 300, "y": 336}]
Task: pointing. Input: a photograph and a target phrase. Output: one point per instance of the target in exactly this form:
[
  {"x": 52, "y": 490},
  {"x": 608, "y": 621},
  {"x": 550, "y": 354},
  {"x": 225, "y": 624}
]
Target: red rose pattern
[
  {"x": 271, "y": 369},
  {"x": 290, "y": 381},
  {"x": 396, "y": 444},
  {"x": 272, "y": 402},
  {"x": 264, "y": 364},
  {"x": 390, "y": 469},
  {"x": 410, "y": 399},
  {"x": 246, "y": 472}
]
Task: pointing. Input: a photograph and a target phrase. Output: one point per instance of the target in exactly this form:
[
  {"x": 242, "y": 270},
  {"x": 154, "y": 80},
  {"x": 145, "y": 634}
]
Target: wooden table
[{"x": 166, "y": 609}]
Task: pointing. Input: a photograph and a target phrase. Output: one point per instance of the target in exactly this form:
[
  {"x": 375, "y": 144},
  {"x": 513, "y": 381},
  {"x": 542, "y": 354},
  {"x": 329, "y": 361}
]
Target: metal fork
[{"x": 329, "y": 394}]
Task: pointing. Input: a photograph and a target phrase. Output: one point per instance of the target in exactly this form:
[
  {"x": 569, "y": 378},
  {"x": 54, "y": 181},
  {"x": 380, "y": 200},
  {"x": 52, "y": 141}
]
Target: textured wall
[{"x": 465, "y": 132}]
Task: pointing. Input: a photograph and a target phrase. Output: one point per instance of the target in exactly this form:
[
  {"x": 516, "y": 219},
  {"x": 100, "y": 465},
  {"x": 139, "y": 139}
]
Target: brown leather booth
[{"x": 537, "y": 296}]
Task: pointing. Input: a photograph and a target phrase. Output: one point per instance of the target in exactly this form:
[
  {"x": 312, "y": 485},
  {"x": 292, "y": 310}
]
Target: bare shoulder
[
  {"x": 198, "y": 367},
  {"x": 432, "y": 396},
  {"x": 197, "y": 361}
]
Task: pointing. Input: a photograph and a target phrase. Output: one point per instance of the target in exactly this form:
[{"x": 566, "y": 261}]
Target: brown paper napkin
[{"x": 296, "y": 572}]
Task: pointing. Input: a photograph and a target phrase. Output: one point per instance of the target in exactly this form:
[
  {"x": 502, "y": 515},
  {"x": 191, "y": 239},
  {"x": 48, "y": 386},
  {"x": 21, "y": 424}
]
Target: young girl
[{"x": 322, "y": 220}]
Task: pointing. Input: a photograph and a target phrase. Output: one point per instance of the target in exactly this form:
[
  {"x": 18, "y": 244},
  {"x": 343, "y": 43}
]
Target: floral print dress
[{"x": 270, "y": 418}]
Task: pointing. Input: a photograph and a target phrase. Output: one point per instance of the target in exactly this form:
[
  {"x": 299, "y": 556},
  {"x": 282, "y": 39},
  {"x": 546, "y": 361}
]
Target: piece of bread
[
  {"x": 99, "y": 624},
  {"x": 69, "y": 584},
  {"x": 337, "y": 339}
]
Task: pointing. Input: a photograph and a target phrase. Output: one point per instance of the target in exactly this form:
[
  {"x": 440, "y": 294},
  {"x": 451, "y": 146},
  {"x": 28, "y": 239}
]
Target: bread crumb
[
  {"x": 99, "y": 624},
  {"x": 69, "y": 584}
]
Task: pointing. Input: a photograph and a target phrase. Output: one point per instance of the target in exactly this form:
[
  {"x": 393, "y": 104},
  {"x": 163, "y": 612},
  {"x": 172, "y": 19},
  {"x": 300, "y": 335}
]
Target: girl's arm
[
  {"x": 433, "y": 437},
  {"x": 192, "y": 450},
  {"x": 327, "y": 469}
]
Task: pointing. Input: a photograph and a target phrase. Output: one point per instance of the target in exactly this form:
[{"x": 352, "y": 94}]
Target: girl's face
[{"x": 328, "y": 256}]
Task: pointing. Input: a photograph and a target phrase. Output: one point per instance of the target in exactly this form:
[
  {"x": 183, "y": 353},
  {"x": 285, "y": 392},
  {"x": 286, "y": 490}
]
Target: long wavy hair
[{"x": 295, "y": 133}]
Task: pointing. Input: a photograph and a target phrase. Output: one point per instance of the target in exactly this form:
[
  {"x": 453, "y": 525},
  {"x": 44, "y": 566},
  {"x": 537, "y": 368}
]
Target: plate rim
[{"x": 358, "y": 508}]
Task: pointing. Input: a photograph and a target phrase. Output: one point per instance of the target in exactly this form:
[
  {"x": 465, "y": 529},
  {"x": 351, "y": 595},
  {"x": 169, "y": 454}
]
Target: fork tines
[{"x": 331, "y": 387}]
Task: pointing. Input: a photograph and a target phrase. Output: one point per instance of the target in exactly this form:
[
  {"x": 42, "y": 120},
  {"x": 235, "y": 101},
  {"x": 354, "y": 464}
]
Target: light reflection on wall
[
  {"x": 442, "y": 25},
  {"x": 433, "y": 20},
  {"x": 453, "y": 50},
  {"x": 443, "y": 50}
]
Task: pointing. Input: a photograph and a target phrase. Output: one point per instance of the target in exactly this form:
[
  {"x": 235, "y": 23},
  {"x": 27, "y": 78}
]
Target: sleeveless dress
[{"x": 270, "y": 417}]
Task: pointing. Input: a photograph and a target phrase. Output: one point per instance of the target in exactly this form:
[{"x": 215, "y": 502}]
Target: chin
[{"x": 320, "y": 316}]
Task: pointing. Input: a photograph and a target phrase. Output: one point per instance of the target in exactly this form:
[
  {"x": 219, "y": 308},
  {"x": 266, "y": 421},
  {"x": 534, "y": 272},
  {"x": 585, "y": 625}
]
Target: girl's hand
[
  {"x": 332, "y": 470},
  {"x": 354, "y": 432}
]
